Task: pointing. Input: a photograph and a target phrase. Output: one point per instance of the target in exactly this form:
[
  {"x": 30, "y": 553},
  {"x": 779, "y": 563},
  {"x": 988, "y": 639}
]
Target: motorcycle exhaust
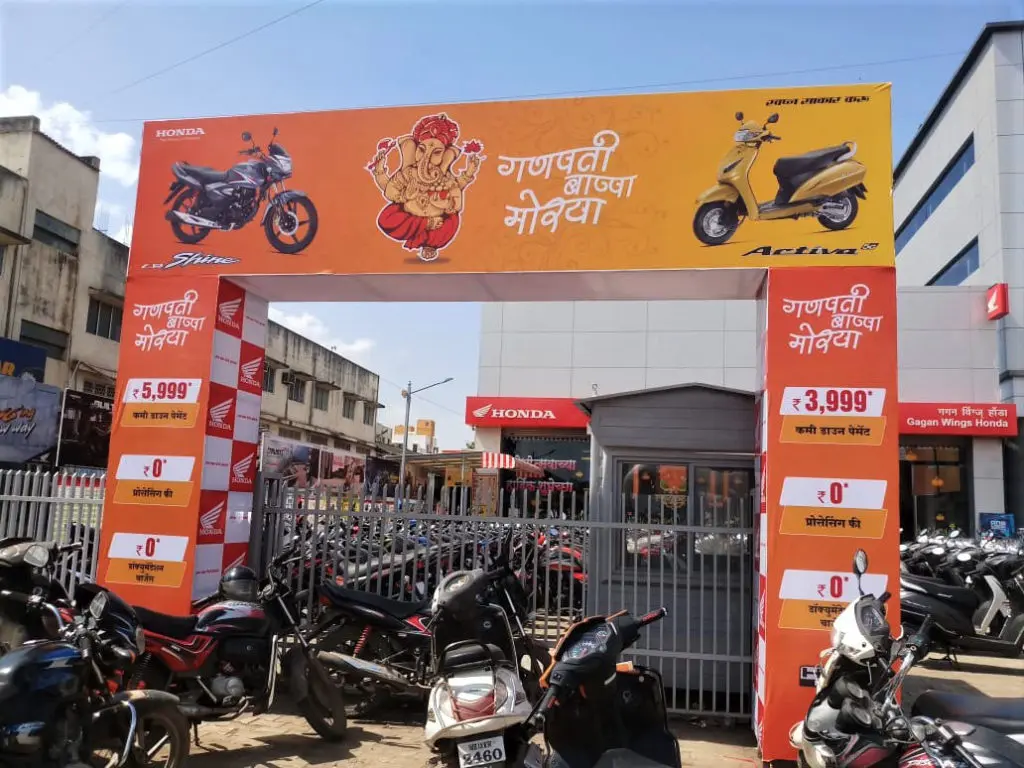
[
  {"x": 195, "y": 221},
  {"x": 367, "y": 669},
  {"x": 198, "y": 711}
]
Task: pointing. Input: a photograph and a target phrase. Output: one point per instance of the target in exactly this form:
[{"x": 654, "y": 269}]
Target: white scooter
[{"x": 478, "y": 704}]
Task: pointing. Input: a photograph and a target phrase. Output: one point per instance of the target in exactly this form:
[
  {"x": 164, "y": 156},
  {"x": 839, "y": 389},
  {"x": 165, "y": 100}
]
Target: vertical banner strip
[{"x": 831, "y": 449}]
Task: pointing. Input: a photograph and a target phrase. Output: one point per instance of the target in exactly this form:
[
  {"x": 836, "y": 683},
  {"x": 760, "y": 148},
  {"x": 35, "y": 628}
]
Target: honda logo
[
  {"x": 240, "y": 469},
  {"x": 250, "y": 371},
  {"x": 179, "y": 133},
  {"x": 219, "y": 415},
  {"x": 227, "y": 310},
  {"x": 533, "y": 414},
  {"x": 208, "y": 521}
]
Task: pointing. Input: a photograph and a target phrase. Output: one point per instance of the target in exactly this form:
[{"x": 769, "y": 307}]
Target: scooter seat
[
  {"x": 810, "y": 162},
  {"x": 964, "y": 597},
  {"x": 177, "y": 627},
  {"x": 468, "y": 654},
  {"x": 1001, "y": 715},
  {"x": 399, "y": 609},
  {"x": 202, "y": 173}
]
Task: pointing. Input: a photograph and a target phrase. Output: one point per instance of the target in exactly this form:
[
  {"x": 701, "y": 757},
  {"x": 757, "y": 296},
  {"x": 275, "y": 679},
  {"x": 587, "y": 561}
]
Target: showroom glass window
[
  {"x": 708, "y": 498},
  {"x": 934, "y": 488},
  {"x": 562, "y": 492}
]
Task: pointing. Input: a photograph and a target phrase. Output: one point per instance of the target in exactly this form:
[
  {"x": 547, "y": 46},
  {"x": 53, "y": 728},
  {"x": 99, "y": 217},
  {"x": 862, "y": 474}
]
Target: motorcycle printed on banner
[{"x": 830, "y": 381}]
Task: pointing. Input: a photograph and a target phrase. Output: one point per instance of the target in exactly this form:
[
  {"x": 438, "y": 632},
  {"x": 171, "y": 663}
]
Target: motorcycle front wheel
[
  {"x": 187, "y": 233},
  {"x": 323, "y": 706},
  {"x": 291, "y": 226},
  {"x": 161, "y": 739},
  {"x": 715, "y": 223}
]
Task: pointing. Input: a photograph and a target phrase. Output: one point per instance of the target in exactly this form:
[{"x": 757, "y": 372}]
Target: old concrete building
[{"x": 62, "y": 289}]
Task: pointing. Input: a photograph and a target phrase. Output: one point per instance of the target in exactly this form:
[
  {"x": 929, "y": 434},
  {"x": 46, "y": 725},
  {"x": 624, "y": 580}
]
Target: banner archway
[{"x": 663, "y": 196}]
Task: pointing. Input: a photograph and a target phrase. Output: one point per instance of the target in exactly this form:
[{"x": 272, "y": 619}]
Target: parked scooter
[
  {"x": 826, "y": 183},
  {"x": 855, "y": 718},
  {"x": 597, "y": 711}
]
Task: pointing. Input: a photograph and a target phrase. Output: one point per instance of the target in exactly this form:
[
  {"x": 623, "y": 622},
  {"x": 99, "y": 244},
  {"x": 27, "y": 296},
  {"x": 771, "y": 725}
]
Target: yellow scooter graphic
[{"x": 825, "y": 183}]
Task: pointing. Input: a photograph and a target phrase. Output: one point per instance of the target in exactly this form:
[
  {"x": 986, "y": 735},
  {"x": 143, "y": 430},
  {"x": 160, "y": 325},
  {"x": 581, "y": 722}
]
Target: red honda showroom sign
[
  {"x": 977, "y": 419},
  {"x": 554, "y": 412}
]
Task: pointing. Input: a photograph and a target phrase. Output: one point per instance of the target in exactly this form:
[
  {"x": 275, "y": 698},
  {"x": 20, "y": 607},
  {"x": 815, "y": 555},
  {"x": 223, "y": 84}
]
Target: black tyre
[
  {"x": 323, "y": 706},
  {"x": 716, "y": 223},
  {"x": 361, "y": 699},
  {"x": 187, "y": 233},
  {"x": 161, "y": 739},
  {"x": 291, "y": 226},
  {"x": 842, "y": 210}
]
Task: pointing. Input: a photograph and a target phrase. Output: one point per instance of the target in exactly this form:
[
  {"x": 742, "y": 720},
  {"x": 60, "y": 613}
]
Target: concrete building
[
  {"x": 62, "y": 289},
  {"x": 959, "y": 204},
  {"x": 422, "y": 436}
]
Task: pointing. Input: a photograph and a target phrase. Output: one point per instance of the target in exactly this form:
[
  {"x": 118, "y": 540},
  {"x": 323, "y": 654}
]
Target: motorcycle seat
[
  {"x": 469, "y": 654},
  {"x": 178, "y": 627},
  {"x": 962, "y": 596},
  {"x": 810, "y": 162},
  {"x": 203, "y": 173},
  {"x": 399, "y": 609},
  {"x": 1001, "y": 715}
]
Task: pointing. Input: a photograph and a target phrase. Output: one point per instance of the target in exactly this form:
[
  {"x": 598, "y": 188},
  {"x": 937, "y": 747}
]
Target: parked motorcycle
[
  {"x": 855, "y": 718},
  {"x": 826, "y": 184},
  {"x": 60, "y": 705},
  {"x": 223, "y": 661},
  {"x": 205, "y": 199},
  {"x": 597, "y": 710}
]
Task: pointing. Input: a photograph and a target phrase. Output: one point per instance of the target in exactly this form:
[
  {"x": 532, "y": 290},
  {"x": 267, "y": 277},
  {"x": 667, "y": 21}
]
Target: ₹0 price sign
[
  {"x": 833, "y": 415},
  {"x": 154, "y": 480},
  {"x": 818, "y": 506},
  {"x": 161, "y": 403},
  {"x": 147, "y": 559},
  {"x": 813, "y": 599}
]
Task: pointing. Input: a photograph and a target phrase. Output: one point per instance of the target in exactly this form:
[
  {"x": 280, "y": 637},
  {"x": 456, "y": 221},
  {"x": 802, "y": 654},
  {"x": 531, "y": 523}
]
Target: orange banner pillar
[
  {"x": 184, "y": 440},
  {"x": 829, "y": 474}
]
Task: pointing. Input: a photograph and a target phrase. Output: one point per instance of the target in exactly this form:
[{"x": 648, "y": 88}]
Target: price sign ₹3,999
[
  {"x": 833, "y": 415},
  {"x": 161, "y": 403}
]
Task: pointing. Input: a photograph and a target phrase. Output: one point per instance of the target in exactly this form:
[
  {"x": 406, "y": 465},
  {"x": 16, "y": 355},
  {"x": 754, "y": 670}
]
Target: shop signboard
[
  {"x": 18, "y": 359},
  {"x": 85, "y": 430},
  {"x": 963, "y": 419},
  {"x": 999, "y": 524},
  {"x": 997, "y": 301},
  {"x": 550, "y": 412},
  {"x": 29, "y": 416}
]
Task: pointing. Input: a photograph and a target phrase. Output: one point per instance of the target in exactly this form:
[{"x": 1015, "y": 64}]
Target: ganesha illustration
[{"x": 425, "y": 194}]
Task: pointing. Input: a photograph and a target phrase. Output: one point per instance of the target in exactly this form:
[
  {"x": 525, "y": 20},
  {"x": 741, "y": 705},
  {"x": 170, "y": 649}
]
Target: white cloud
[
  {"x": 314, "y": 328},
  {"x": 119, "y": 156}
]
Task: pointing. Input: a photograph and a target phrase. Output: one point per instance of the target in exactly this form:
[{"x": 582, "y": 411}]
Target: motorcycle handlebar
[
  {"x": 884, "y": 598},
  {"x": 653, "y": 616},
  {"x": 68, "y": 548},
  {"x": 547, "y": 702}
]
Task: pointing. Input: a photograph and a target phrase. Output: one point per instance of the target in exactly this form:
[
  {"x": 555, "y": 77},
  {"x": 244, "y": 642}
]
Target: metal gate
[{"x": 701, "y": 572}]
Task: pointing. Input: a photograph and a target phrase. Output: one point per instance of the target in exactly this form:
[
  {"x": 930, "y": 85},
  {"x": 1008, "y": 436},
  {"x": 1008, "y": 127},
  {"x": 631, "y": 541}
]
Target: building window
[
  {"x": 103, "y": 320},
  {"x": 369, "y": 414},
  {"x": 934, "y": 487},
  {"x": 99, "y": 389},
  {"x": 55, "y": 233},
  {"x": 948, "y": 179},
  {"x": 269, "y": 378},
  {"x": 296, "y": 390},
  {"x": 318, "y": 440},
  {"x": 345, "y": 445},
  {"x": 54, "y": 342},
  {"x": 348, "y": 408},
  {"x": 3, "y": 250},
  {"x": 321, "y": 399},
  {"x": 963, "y": 265},
  {"x": 289, "y": 434}
]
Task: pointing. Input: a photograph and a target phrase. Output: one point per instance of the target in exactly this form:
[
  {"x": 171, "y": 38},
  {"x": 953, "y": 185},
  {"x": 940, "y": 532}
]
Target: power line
[
  {"x": 401, "y": 388},
  {"x": 84, "y": 33},
  {"x": 217, "y": 47},
  {"x": 608, "y": 90}
]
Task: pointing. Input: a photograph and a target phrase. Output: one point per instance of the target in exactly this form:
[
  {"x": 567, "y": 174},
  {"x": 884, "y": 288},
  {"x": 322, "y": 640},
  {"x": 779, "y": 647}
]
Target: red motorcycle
[{"x": 222, "y": 661}]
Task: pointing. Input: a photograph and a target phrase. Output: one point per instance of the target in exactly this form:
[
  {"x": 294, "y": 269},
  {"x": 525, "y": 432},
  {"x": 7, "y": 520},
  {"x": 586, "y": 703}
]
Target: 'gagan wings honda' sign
[{"x": 553, "y": 412}]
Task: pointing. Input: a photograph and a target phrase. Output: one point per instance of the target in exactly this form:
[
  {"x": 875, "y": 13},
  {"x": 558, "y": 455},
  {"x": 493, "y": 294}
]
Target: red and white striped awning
[{"x": 507, "y": 461}]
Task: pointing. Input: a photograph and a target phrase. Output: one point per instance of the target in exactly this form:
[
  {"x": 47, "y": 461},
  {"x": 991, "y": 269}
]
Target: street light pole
[{"x": 407, "y": 393}]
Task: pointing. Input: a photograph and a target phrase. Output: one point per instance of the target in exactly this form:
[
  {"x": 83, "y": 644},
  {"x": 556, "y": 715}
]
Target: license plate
[{"x": 481, "y": 752}]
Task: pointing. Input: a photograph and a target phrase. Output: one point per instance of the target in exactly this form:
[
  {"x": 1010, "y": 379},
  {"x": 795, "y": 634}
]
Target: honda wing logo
[
  {"x": 240, "y": 469},
  {"x": 219, "y": 414},
  {"x": 528, "y": 414},
  {"x": 234, "y": 563},
  {"x": 227, "y": 310},
  {"x": 249, "y": 372},
  {"x": 208, "y": 521}
]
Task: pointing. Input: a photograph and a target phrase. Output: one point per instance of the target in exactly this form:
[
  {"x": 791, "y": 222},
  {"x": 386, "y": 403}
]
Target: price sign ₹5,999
[
  {"x": 164, "y": 403},
  {"x": 833, "y": 415}
]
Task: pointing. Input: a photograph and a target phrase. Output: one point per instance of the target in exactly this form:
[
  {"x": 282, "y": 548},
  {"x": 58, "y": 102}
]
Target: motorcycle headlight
[
  {"x": 37, "y": 556},
  {"x": 745, "y": 136},
  {"x": 284, "y": 163}
]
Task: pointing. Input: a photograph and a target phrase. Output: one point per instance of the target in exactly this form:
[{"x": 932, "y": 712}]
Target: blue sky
[{"x": 98, "y": 75}]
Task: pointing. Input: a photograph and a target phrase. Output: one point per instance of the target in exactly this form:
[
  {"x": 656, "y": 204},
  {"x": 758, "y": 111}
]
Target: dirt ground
[{"x": 283, "y": 740}]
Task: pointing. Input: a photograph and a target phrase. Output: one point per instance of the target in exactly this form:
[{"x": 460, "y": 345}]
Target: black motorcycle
[
  {"x": 621, "y": 720},
  {"x": 59, "y": 700},
  {"x": 206, "y": 199}
]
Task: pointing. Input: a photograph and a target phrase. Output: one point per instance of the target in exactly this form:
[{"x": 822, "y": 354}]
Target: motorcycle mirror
[
  {"x": 773, "y": 117},
  {"x": 739, "y": 116},
  {"x": 860, "y": 562},
  {"x": 275, "y": 131},
  {"x": 246, "y": 136},
  {"x": 98, "y": 605}
]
